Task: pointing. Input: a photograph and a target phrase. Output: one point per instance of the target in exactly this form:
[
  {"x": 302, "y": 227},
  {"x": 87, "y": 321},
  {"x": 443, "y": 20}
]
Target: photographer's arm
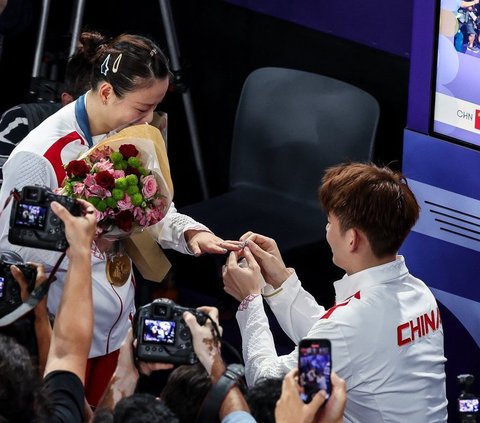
[
  {"x": 73, "y": 328},
  {"x": 124, "y": 379},
  {"x": 207, "y": 348}
]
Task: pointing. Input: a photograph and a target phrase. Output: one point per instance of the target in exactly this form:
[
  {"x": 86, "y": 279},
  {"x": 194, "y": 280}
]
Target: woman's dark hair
[{"x": 127, "y": 62}]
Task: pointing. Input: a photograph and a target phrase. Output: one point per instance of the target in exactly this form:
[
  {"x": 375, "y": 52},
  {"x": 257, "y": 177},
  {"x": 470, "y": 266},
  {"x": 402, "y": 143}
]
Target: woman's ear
[{"x": 105, "y": 91}]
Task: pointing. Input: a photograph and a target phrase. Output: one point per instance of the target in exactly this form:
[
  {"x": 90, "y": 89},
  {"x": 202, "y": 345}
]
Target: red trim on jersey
[
  {"x": 54, "y": 154},
  {"x": 344, "y": 303}
]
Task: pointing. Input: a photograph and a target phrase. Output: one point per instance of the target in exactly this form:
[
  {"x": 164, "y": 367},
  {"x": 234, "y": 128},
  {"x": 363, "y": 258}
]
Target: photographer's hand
[
  {"x": 79, "y": 230},
  {"x": 205, "y": 342}
]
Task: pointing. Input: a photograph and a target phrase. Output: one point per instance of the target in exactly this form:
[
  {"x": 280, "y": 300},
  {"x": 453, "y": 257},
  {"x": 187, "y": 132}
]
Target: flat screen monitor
[{"x": 456, "y": 111}]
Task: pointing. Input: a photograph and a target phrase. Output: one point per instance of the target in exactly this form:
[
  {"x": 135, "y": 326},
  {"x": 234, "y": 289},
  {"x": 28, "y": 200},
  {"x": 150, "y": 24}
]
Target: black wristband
[{"x": 210, "y": 408}]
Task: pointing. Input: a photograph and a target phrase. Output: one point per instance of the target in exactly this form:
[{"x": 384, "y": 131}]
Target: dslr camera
[
  {"x": 162, "y": 334},
  {"x": 10, "y": 297},
  {"x": 467, "y": 402},
  {"x": 33, "y": 223}
]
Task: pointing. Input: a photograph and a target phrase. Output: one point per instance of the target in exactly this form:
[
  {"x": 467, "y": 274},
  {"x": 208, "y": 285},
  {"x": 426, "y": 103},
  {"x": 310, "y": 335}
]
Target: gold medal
[{"x": 118, "y": 269}]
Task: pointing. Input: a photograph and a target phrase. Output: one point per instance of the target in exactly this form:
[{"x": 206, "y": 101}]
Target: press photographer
[
  {"x": 201, "y": 336},
  {"x": 60, "y": 396}
]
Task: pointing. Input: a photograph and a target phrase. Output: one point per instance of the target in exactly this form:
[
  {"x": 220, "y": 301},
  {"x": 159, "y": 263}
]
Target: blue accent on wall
[{"x": 385, "y": 25}]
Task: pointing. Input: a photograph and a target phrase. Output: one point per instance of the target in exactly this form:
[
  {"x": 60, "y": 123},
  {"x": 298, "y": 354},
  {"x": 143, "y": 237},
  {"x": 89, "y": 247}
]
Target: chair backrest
[{"x": 290, "y": 125}]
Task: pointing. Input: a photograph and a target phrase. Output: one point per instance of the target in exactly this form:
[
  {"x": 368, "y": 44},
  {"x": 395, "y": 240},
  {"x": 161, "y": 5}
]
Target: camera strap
[{"x": 35, "y": 297}]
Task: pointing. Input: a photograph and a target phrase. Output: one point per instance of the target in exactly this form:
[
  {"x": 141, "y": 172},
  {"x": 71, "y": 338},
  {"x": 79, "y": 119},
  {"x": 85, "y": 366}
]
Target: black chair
[{"x": 290, "y": 125}]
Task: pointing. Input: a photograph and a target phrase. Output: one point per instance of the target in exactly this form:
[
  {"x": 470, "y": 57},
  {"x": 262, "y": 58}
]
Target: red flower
[
  {"x": 124, "y": 220},
  {"x": 132, "y": 170},
  {"x": 128, "y": 150},
  {"x": 105, "y": 179},
  {"x": 77, "y": 168}
]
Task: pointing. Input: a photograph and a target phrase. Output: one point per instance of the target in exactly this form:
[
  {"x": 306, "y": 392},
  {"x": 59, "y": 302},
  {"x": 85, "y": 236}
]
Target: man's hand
[
  {"x": 268, "y": 257},
  {"x": 79, "y": 230},
  {"x": 240, "y": 281},
  {"x": 205, "y": 341},
  {"x": 200, "y": 242}
]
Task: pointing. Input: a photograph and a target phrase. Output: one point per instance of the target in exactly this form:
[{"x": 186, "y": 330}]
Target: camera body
[
  {"x": 33, "y": 223},
  {"x": 10, "y": 297},
  {"x": 467, "y": 402},
  {"x": 162, "y": 334}
]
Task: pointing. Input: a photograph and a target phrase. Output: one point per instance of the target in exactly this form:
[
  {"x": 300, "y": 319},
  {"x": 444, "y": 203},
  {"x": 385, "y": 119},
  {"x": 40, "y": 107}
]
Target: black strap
[{"x": 210, "y": 408}]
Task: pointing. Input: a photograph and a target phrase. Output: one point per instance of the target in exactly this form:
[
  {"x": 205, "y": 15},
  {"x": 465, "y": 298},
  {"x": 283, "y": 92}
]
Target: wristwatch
[{"x": 213, "y": 400}]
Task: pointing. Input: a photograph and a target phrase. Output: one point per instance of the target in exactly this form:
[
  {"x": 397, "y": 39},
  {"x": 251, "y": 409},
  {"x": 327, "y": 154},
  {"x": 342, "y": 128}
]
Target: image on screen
[
  {"x": 314, "y": 370},
  {"x": 31, "y": 216},
  {"x": 456, "y": 113},
  {"x": 469, "y": 405},
  {"x": 159, "y": 331}
]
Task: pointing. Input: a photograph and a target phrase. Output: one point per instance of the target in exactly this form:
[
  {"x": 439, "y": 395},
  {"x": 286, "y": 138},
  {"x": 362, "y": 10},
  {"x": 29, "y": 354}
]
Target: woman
[{"x": 129, "y": 78}]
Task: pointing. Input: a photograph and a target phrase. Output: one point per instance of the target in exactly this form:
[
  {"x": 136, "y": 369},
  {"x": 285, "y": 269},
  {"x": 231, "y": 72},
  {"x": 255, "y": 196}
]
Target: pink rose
[
  {"x": 118, "y": 174},
  {"x": 103, "y": 165},
  {"x": 89, "y": 180},
  {"x": 125, "y": 204},
  {"x": 149, "y": 186},
  {"x": 78, "y": 188},
  {"x": 99, "y": 191}
]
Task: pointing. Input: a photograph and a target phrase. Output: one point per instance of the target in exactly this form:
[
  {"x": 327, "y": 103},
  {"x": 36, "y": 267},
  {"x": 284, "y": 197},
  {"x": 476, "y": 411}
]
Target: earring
[{"x": 105, "y": 102}]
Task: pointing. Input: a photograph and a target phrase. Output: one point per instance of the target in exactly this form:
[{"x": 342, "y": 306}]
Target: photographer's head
[
  {"x": 262, "y": 398},
  {"x": 137, "y": 408},
  {"x": 185, "y": 391},
  {"x": 19, "y": 383}
]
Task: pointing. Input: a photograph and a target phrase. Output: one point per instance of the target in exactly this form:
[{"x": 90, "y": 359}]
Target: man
[{"x": 385, "y": 328}]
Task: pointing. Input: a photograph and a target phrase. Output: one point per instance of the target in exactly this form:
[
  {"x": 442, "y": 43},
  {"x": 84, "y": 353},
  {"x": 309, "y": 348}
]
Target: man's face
[{"x": 338, "y": 241}]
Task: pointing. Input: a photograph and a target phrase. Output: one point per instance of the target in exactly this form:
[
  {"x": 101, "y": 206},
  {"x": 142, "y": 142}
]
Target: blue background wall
[{"x": 385, "y": 25}]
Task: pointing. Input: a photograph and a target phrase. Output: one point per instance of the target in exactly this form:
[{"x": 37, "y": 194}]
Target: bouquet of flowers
[{"x": 124, "y": 181}]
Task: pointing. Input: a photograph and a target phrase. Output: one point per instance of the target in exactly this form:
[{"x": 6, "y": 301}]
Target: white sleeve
[
  {"x": 21, "y": 169},
  {"x": 169, "y": 231},
  {"x": 258, "y": 347},
  {"x": 295, "y": 309}
]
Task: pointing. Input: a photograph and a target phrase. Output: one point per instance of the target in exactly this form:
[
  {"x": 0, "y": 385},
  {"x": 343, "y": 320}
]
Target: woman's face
[{"x": 136, "y": 106}]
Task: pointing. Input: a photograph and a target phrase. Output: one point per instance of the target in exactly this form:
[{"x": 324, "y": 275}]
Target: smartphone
[{"x": 314, "y": 367}]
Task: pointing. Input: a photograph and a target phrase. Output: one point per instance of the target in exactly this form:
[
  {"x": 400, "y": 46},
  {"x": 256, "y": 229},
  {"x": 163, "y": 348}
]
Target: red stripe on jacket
[
  {"x": 54, "y": 154},
  {"x": 344, "y": 303}
]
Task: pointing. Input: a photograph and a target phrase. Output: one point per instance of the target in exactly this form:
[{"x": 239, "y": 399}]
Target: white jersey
[
  {"x": 39, "y": 159},
  {"x": 386, "y": 336}
]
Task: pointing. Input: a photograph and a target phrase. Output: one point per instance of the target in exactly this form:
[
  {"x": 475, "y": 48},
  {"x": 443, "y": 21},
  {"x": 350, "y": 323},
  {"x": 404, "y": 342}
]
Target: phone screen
[{"x": 314, "y": 367}]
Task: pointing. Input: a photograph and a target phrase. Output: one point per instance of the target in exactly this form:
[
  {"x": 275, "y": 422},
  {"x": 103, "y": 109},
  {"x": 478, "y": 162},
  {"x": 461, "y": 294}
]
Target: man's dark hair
[
  {"x": 262, "y": 399},
  {"x": 19, "y": 382},
  {"x": 185, "y": 391},
  {"x": 142, "y": 408},
  {"x": 376, "y": 200}
]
